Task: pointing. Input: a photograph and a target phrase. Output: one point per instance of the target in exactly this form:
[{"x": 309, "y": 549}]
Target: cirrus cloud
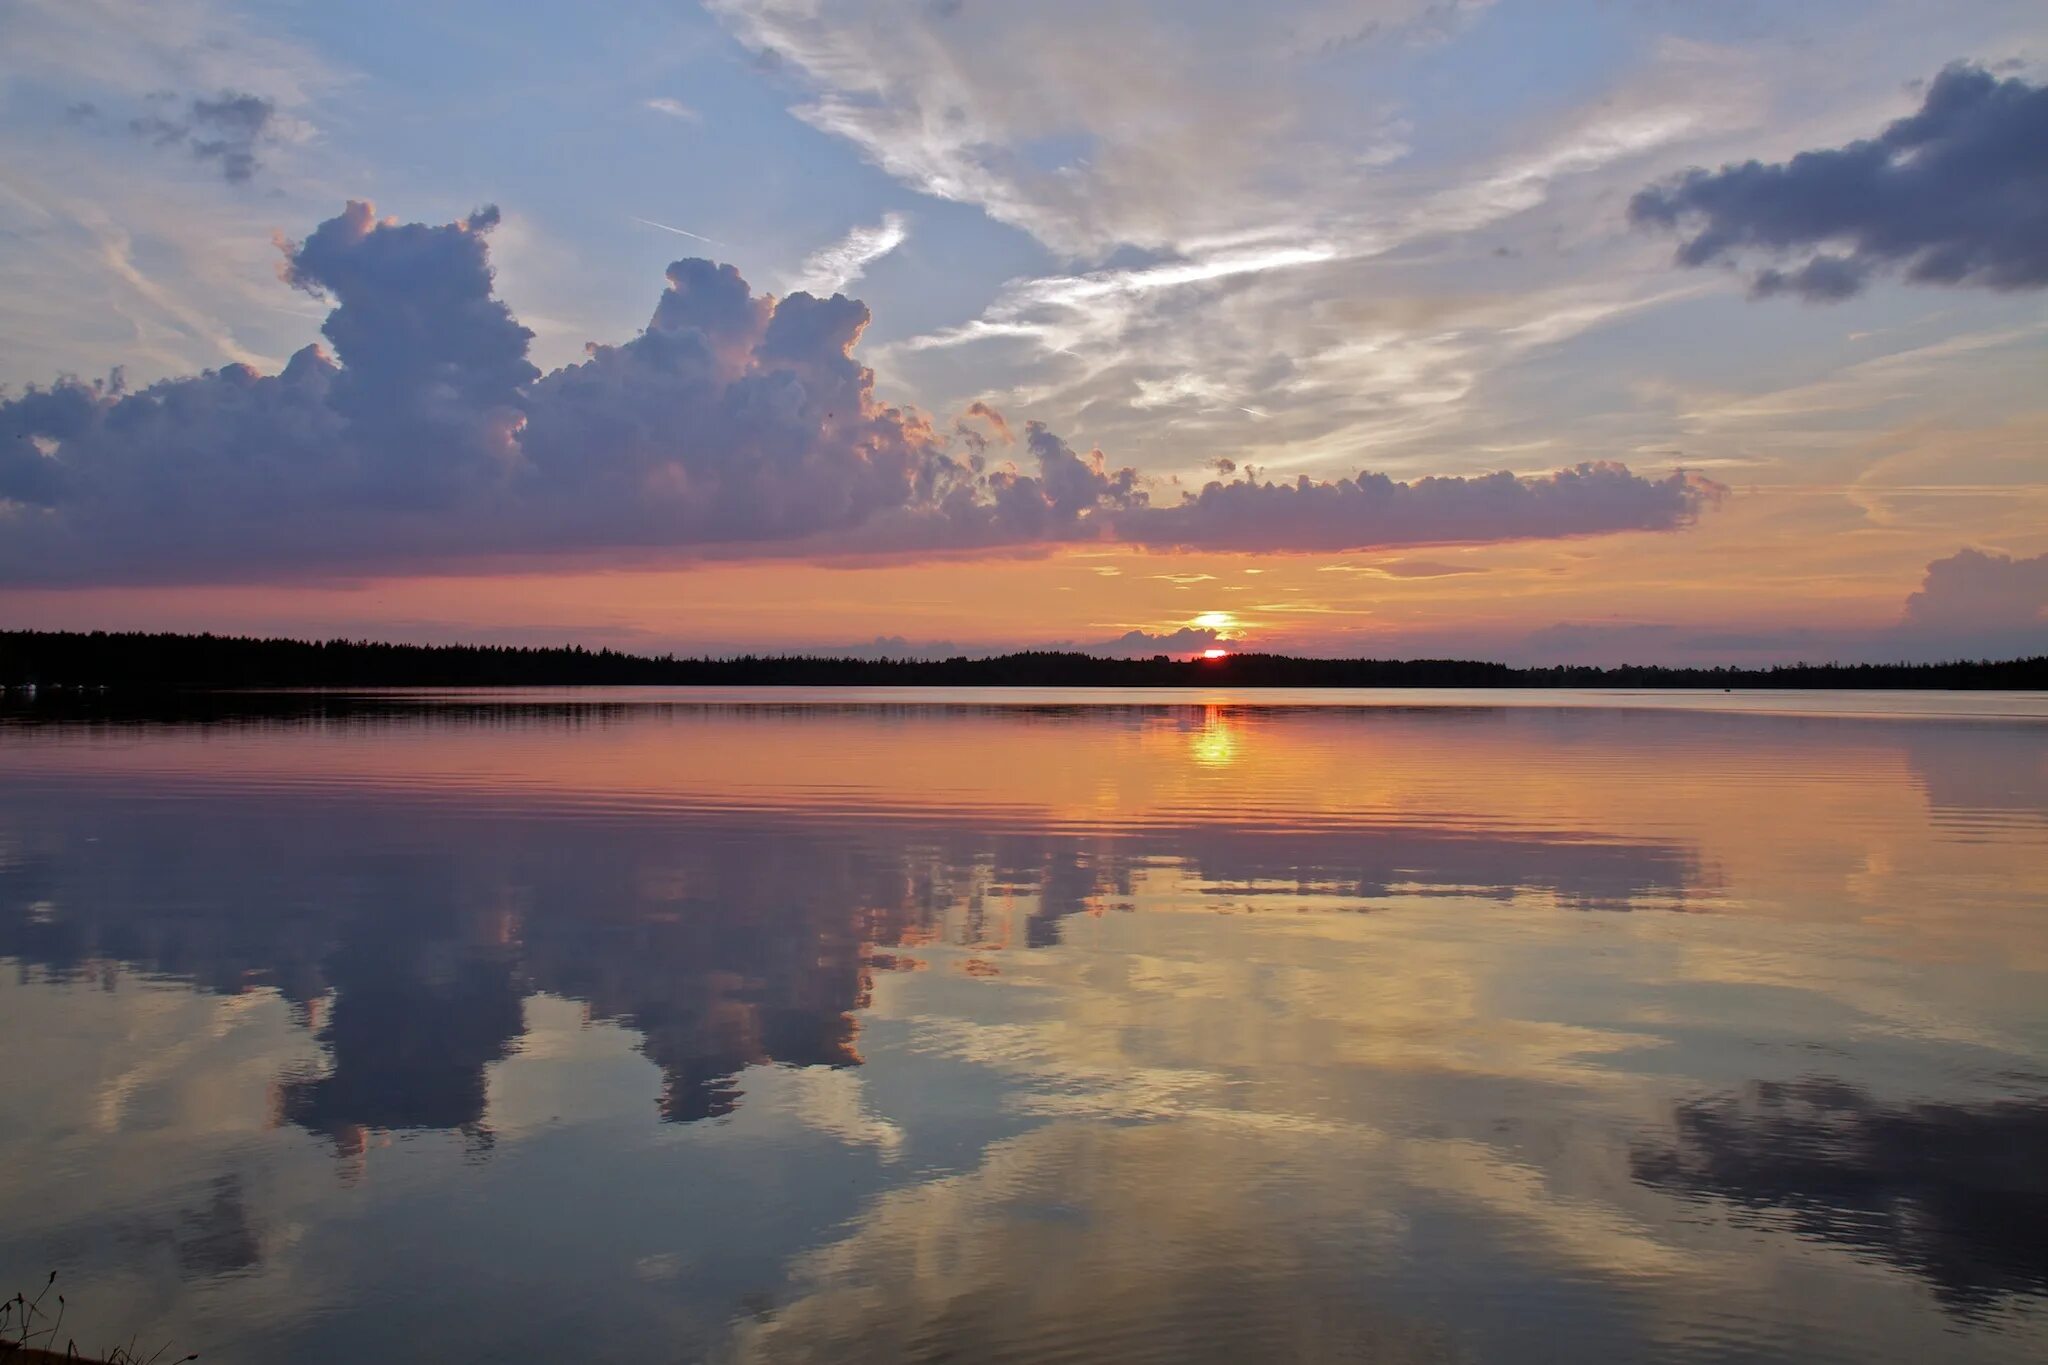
[
  {"x": 832, "y": 268},
  {"x": 674, "y": 108}
]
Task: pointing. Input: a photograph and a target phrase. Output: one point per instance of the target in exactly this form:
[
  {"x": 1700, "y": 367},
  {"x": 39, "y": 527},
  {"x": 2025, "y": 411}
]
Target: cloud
[
  {"x": 225, "y": 131},
  {"x": 1226, "y": 219},
  {"x": 1405, "y": 568},
  {"x": 731, "y": 418},
  {"x": 422, "y": 437},
  {"x": 1373, "y": 510},
  {"x": 427, "y": 437},
  {"x": 1140, "y": 644},
  {"x": 832, "y": 269},
  {"x": 1975, "y": 591},
  {"x": 430, "y": 361},
  {"x": 1925, "y": 1187},
  {"x": 1971, "y": 604},
  {"x": 674, "y": 108},
  {"x": 1956, "y": 193},
  {"x": 975, "y": 439},
  {"x": 1039, "y": 115},
  {"x": 1071, "y": 497}
]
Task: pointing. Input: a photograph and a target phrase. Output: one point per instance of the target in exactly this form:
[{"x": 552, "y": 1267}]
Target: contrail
[{"x": 680, "y": 232}]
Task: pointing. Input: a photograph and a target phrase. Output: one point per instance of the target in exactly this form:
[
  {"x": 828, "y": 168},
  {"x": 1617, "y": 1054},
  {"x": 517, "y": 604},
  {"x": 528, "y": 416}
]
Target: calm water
[{"x": 654, "y": 1026}]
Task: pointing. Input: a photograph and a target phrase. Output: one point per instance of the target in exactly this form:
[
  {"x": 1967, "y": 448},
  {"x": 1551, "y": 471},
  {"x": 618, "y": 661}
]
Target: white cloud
[
  {"x": 674, "y": 108},
  {"x": 1088, "y": 123},
  {"x": 825, "y": 272},
  {"x": 139, "y": 46}
]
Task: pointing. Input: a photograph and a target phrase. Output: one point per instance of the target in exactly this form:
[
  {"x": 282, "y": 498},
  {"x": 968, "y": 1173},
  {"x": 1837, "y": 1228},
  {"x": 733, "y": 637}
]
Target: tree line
[{"x": 135, "y": 661}]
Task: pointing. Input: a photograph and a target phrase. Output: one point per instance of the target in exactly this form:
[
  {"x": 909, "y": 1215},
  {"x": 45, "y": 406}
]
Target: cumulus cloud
[
  {"x": 430, "y": 361},
  {"x": 1956, "y": 193},
  {"x": 1373, "y": 510},
  {"x": 428, "y": 435},
  {"x": 421, "y": 436},
  {"x": 225, "y": 131},
  {"x": 1975, "y": 591},
  {"x": 832, "y": 269}
]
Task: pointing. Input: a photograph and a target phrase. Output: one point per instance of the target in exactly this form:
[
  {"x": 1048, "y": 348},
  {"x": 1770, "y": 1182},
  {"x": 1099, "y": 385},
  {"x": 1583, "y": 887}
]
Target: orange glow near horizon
[
  {"x": 1215, "y": 653},
  {"x": 1778, "y": 560}
]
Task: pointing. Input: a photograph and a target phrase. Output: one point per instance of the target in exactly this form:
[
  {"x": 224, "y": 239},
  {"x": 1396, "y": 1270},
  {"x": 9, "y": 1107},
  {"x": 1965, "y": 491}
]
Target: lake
[{"x": 660, "y": 1025}]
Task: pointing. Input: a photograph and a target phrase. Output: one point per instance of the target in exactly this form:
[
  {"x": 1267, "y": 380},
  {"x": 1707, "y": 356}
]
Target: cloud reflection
[
  {"x": 407, "y": 933},
  {"x": 1950, "y": 1192},
  {"x": 721, "y": 1011}
]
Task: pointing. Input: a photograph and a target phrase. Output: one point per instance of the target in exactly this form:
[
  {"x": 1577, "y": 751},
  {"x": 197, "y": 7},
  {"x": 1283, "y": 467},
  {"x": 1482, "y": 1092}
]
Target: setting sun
[{"x": 1215, "y": 653}]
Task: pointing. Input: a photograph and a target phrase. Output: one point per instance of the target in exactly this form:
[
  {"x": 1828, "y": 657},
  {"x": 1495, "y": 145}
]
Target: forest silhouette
[{"x": 133, "y": 661}]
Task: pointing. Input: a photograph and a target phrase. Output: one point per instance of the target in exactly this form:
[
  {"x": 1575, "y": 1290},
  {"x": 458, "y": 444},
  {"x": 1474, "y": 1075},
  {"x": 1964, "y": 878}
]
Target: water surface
[{"x": 669, "y": 1025}]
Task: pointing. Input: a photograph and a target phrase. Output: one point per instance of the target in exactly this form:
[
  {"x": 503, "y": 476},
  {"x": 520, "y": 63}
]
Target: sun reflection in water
[{"x": 1215, "y": 744}]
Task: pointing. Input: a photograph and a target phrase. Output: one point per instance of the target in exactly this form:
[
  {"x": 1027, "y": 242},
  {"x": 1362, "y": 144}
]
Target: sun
[{"x": 1215, "y": 653}]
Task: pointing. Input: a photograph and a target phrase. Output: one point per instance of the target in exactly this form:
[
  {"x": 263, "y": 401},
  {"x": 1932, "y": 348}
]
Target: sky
[{"x": 1601, "y": 331}]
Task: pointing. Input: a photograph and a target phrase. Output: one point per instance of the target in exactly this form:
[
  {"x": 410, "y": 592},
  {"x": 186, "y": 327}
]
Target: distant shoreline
[{"x": 137, "y": 662}]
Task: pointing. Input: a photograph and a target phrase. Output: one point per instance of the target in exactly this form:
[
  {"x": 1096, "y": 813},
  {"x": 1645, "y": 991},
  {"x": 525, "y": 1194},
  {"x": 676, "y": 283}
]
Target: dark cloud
[
  {"x": 734, "y": 424},
  {"x": 1373, "y": 510},
  {"x": 1954, "y": 194},
  {"x": 1948, "y": 1192},
  {"x": 225, "y": 131}
]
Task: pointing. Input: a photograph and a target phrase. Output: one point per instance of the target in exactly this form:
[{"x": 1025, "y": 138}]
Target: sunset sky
[{"x": 1571, "y": 331}]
